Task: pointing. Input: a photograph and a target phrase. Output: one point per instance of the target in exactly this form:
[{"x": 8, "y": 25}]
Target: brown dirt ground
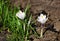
[{"x": 52, "y": 7}]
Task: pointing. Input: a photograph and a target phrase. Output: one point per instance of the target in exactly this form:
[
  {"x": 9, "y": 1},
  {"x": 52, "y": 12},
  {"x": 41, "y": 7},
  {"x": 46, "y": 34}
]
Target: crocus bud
[{"x": 20, "y": 14}]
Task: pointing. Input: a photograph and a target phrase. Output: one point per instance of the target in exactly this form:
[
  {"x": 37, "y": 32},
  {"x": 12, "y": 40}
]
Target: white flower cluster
[{"x": 42, "y": 18}]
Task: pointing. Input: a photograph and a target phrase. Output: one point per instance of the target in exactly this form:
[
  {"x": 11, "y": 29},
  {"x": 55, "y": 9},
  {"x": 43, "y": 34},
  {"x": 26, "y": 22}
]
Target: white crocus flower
[
  {"x": 20, "y": 14},
  {"x": 42, "y": 18}
]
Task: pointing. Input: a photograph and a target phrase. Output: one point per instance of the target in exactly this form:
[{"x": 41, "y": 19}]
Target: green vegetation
[{"x": 19, "y": 30}]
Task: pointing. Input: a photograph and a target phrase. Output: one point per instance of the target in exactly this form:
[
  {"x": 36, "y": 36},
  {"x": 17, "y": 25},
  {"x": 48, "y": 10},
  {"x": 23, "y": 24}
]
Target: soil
[{"x": 52, "y": 27}]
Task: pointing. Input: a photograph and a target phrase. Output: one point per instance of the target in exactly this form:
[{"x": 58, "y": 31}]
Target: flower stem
[{"x": 41, "y": 34}]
